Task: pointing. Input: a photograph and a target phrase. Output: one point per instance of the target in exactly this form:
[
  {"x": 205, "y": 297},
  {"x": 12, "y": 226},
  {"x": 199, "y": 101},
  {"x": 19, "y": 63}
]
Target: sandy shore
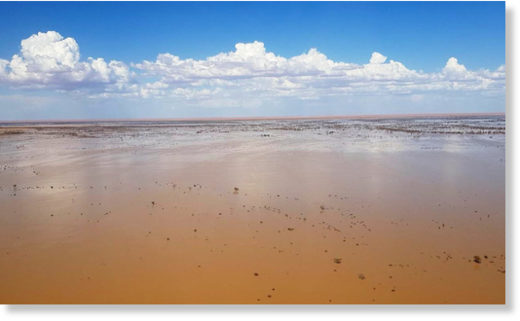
[{"x": 261, "y": 211}]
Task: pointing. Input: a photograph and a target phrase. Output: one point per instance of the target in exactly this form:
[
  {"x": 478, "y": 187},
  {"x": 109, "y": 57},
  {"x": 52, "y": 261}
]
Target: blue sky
[{"x": 336, "y": 78}]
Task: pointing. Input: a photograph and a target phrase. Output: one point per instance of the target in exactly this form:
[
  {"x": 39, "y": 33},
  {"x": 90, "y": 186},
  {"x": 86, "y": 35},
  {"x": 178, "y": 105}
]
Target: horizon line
[{"x": 236, "y": 118}]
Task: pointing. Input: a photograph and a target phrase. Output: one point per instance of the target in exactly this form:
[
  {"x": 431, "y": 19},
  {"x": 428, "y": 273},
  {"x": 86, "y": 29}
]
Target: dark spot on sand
[
  {"x": 337, "y": 260},
  {"x": 255, "y": 274},
  {"x": 477, "y": 259},
  {"x": 361, "y": 276}
]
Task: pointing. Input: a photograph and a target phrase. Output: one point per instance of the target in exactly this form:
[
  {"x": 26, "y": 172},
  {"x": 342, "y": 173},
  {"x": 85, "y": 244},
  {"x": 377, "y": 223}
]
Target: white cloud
[
  {"x": 249, "y": 72},
  {"x": 251, "y": 68},
  {"x": 249, "y": 60},
  {"x": 377, "y": 58},
  {"x": 453, "y": 67},
  {"x": 48, "y": 60},
  {"x": 50, "y": 52}
]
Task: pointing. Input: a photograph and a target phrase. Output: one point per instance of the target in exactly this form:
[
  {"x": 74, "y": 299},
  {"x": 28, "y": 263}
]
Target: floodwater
[{"x": 263, "y": 211}]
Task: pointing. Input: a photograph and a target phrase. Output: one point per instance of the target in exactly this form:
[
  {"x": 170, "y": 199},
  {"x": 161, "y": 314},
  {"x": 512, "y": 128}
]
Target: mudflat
[{"x": 397, "y": 210}]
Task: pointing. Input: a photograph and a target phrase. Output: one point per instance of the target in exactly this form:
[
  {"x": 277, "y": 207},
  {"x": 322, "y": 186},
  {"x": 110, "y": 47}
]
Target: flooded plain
[{"x": 324, "y": 211}]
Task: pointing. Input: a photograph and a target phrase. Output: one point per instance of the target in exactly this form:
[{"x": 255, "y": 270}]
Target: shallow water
[{"x": 327, "y": 211}]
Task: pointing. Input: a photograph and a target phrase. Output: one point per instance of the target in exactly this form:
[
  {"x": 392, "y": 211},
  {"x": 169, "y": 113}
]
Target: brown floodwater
[{"x": 351, "y": 211}]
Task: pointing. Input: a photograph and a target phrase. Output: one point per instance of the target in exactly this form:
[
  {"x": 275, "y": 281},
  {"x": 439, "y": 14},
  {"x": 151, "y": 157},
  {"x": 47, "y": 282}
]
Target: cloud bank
[{"x": 242, "y": 77}]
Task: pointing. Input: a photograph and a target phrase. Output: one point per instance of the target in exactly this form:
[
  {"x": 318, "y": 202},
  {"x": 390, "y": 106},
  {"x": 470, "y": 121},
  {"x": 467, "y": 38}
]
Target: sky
[{"x": 208, "y": 59}]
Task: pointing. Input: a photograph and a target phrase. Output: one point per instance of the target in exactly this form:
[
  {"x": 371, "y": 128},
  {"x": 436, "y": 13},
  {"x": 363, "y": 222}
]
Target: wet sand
[{"x": 261, "y": 211}]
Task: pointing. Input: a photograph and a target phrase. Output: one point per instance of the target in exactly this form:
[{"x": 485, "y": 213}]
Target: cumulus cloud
[
  {"x": 48, "y": 60},
  {"x": 453, "y": 67},
  {"x": 249, "y": 60},
  {"x": 377, "y": 58},
  {"x": 251, "y": 68}
]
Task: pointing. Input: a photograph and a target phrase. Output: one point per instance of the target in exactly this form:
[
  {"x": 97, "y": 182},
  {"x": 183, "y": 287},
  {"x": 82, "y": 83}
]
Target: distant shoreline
[{"x": 253, "y": 118}]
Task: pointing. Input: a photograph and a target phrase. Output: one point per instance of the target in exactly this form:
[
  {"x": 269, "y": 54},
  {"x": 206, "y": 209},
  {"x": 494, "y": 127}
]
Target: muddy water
[{"x": 153, "y": 216}]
